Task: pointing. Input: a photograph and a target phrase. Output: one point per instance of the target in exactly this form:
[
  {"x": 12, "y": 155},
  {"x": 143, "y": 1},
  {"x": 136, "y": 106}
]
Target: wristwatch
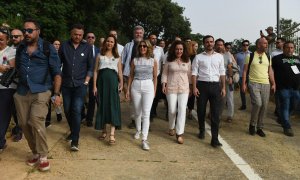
[{"x": 86, "y": 83}]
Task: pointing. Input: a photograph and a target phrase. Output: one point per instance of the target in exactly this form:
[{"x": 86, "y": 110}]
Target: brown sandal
[
  {"x": 171, "y": 132},
  {"x": 112, "y": 140},
  {"x": 102, "y": 136}
]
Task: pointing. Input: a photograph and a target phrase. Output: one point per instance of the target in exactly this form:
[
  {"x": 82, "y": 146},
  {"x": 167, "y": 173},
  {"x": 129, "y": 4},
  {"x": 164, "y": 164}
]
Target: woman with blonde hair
[
  {"x": 108, "y": 82},
  {"x": 142, "y": 83}
]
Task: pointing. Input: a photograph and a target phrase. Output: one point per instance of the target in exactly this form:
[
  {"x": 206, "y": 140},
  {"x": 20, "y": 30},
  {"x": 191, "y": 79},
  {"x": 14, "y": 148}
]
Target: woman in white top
[
  {"x": 7, "y": 60},
  {"x": 108, "y": 80},
  {"x": 142, "y": 83}
]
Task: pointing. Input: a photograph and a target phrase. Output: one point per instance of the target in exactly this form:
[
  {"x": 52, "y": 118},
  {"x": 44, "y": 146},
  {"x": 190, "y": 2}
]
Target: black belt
[{"x": 209, "y": 82}]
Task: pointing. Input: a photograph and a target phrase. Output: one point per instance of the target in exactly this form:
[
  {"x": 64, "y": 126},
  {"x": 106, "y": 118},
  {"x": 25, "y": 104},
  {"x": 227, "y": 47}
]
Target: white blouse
[
  {"x": 108, "y": 62},
  {"x": 7, "y": 54}
]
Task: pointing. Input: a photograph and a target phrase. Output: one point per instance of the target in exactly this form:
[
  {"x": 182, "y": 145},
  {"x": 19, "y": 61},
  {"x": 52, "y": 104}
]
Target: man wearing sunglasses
[
  {"x": 16, "y": 37},
  {"x": 260, "y": 76},
  {"x": 36, "y": 75},
  {"x": 240, "y": 59},
  {"x": 90, "y": 39}
]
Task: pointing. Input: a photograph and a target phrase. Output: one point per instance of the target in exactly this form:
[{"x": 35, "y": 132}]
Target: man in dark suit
[{"x": 90, "y": 38}]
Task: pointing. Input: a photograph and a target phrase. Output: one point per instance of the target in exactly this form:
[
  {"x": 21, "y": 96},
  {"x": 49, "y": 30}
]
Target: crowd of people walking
[{"x": 146, "y": 71}]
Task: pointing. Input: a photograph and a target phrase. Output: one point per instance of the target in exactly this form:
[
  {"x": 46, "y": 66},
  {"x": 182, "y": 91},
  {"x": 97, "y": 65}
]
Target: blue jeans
[
  {"x": 285, "y": 97},
  {"x": 73, "y": 99}
]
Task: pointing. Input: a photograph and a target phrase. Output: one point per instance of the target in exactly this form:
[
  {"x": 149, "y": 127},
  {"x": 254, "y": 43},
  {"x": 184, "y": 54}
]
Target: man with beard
[
  {"x": 129, "y": 52},
  {"x": 207, "y": 71},
  {"x": 36, "y": 72}
]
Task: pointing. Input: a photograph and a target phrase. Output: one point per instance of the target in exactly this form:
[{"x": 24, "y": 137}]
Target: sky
[{"x": 235, "y": 19}]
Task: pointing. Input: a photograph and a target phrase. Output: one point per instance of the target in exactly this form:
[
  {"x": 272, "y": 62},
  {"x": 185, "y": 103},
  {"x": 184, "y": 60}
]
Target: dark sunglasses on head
[
  {"x": 91, "y": 37},
  {"x": 245, "y": 44},
  {"x": 5, "y": 31},
  {"x": 29, "y": 30},
  {"x": 144, "y": 46},
  {"x": 260, "y": 60},
  {"x": 15, "y": 36}
]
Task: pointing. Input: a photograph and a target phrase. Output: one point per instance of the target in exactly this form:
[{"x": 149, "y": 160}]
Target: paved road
[{"x": 273, "y": 157}]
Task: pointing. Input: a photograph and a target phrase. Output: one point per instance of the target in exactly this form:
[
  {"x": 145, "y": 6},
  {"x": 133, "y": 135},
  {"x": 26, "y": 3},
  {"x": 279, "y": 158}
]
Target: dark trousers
[
  {"x": 91, "y": 103},
  {"x": 242, "y": 94},
  {"x": 6, "y": 105},
  {"x": 159, "y": 95},
  {"x": 73, "y": 98},
  {"x": 209, "y": 91},
  {"x": 191, "y": 102}
]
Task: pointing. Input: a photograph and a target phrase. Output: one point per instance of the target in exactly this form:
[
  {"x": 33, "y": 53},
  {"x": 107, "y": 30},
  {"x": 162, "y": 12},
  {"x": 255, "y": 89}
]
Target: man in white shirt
[
  {"x": 120, "y": 47},
  {"x": 279, "y": 47},
  {"x": 158, "y": 53},
  {"x": 207, "y": 70}
]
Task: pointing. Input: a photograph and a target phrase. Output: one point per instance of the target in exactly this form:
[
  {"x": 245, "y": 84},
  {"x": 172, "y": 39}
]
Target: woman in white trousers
[
  {"x": 142, "y": 85},
  {"x": 176, "y": 79}
]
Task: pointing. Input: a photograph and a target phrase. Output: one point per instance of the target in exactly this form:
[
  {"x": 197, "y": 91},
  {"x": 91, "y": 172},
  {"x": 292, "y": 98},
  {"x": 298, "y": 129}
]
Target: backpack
[
  {"x": 235, "y": 72},
  {"x": 11, "y": 75},
  {"x": 250, "y": 61}
]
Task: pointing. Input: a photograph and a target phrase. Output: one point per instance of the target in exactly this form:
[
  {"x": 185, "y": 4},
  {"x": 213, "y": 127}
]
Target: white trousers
[
  {"x": 180, "y": 100},
  {"x": 142, "y": 95}
]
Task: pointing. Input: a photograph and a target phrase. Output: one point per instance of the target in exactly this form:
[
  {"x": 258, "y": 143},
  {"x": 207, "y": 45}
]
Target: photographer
[{"x": 7, "y": 60}]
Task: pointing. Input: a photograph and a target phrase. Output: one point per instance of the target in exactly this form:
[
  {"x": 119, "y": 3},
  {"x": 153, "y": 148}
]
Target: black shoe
[
  {"x": 288, "y": 132},
  {"x": 260, "y": 133},
  {"x": 58, "y": 117},
  {"x": 89, "y": 123},
  {"x": 74, "y": 146},
  {"x": 17, "y": 137},
  {"x": 201, "y": 135},
  {"x": 47, "y": 124},
  {"x": 278, "y": 120},
  {"x": 131, "y": 125},
  {"x": 69, "y": 137},
  {"x": 242, "y": 108},
  {"x": 215, "y": 144},
  {"x": 251, "y": 130},
  {"x": 151, "y": 118}
]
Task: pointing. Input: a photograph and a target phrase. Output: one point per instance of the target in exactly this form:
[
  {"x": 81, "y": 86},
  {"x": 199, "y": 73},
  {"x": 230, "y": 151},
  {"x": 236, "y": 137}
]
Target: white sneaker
[
  {"x": 137, "y": 135},
  {"x": 145, "y": 145}
]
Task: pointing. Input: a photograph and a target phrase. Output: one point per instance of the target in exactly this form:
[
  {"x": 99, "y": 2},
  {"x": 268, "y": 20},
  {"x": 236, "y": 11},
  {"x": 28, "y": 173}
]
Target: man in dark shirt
[
  {"x": 36, "y": 71},
  {"x": 287, "y": 77},
  {"x": 77, "y": 59}
]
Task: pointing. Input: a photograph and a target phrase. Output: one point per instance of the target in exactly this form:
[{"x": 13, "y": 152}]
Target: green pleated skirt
[{"x": 108, "y": 111}]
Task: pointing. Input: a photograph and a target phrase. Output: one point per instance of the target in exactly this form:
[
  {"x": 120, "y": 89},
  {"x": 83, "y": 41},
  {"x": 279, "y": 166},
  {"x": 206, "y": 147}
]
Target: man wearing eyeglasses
[
  {"x": 77, "y": 59},
  {"x": 36, "y": 75},
  {"x": 279, "y": 47},
  {"x": 260, "y": 77},
  {"x": 240, "y": 59},
  {"x": 90, "y": 39},
  {"x": 287, "y": 75}
]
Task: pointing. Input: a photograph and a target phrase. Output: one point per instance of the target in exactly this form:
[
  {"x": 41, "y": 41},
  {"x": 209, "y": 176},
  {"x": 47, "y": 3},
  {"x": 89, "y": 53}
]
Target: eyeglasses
[
  {"x": 144, "y": 46},
  {"x": 29, "y": 30},
  {"x": 15, "y": 36},
  {"x": 245, "y": 44},
  {"x": 260, "y": 59},
  {"x": 91, "y": 37}
]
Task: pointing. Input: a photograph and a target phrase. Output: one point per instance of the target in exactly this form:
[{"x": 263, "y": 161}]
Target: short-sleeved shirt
[
  {"x": 7, "y": 54},
  {"x": 143, "y": 68},
  {"x": 240, "y": 60},
  {"x": 108, "y": 62},
  {"x": 259, "y": 73}
]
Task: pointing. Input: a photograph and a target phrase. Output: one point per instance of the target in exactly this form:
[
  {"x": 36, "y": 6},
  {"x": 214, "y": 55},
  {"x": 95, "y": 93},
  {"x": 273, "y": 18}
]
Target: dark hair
[
  {"x": 151, "y": 35},
  {"x": 206, "y": 37},
  {"x": 114, "y": 49},
  {"x": 217, "y": 40},
  {"x": 227, "y": 43},
  {"x": 282, "y": 39},
  {"x": 246, "y": 41},
  {"x": 171, "y": 53},
  {"x": 288, "y": 42},
  {"x": 77, "y": 26},
  {"x": 37, "y": 25},
  {"x": 5, "y": 30}
]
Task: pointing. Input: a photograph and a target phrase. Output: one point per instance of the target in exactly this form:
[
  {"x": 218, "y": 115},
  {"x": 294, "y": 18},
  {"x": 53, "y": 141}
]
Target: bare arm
[
  {"x": 120, "y": 74},
  {"x": 130, "y": 79},
  {"x": 155, "y": 75},
  {"x": 272, "y": 79},
  {"x": 95, "y": 75},
  {"x": 244, "y": 78}
]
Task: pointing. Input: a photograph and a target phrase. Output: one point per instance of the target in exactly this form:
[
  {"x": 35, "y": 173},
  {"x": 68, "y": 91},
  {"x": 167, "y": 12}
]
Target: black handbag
[{"x": 8, "y": 77}]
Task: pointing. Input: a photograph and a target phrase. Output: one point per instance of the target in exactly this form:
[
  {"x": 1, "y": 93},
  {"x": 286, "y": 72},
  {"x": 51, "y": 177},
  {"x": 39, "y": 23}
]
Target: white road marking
[{"x": 235, "y": 158}]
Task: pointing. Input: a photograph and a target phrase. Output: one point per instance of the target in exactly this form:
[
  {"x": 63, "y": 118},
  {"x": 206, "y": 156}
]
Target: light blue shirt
[
  {"x": 240, "y": 59},
  {"x": 126, "y": 55}
]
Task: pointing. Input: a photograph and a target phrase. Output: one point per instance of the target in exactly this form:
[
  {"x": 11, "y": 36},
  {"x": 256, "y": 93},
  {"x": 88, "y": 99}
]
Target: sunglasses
[
  {"x": 91, "y": 37},
  {"x": 144, "y": 46},
  {"x": 245, "y": 44},
  {"x": 260, "y": 60},
  {"x": 29, "y": 30},
  {"x": 5, "y": 31},
  {"x": 15, "y": 36}
]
